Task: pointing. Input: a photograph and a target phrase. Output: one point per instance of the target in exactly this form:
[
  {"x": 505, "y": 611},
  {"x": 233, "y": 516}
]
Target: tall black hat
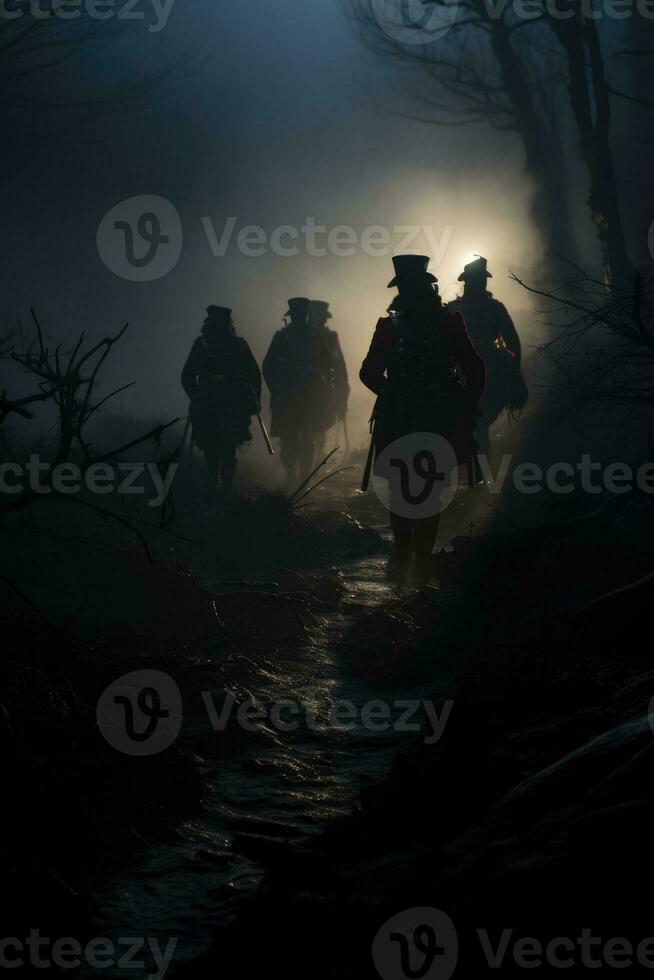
[
  {"x": 411, "y": 267},
  {"x": 218, "y": 313},
  {"x": 476, "y": 270},
  {"x": 320, "y": 309},
  {"x": 298, "y": 306}
]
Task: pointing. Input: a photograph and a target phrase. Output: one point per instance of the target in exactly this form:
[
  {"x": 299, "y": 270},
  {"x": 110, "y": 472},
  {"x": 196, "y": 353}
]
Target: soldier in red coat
[{"x": 429, "y": 378}]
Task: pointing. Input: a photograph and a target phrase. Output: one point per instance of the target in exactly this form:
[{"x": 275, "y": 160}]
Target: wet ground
[{"x": 271, "y": 786}]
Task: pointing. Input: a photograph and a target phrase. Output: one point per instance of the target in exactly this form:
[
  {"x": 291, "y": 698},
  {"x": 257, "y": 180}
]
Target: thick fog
[{"x": 269, "y": 115}]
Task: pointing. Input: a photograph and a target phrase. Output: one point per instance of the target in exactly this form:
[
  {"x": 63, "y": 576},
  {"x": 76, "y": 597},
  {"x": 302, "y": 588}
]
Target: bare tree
[
  {"x": 45, "y": 48},
  {"x": 35, "y": 40},
  {"x": 603, "y": 343},
  {"x": 68, "y": 381},
  {"x": 632, "y": 76},
  {"x": 17, "y": 406},
  {"x": 491, "y": 63},
  {"x": 590, "y": 98}
]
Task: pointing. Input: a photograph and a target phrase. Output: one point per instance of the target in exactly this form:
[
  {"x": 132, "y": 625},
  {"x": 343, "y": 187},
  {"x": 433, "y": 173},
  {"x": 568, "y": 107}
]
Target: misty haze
[{"x": 325, "y": 484}]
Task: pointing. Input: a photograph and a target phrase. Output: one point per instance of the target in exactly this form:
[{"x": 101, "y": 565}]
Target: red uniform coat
[{"x": 413, "y": 407}]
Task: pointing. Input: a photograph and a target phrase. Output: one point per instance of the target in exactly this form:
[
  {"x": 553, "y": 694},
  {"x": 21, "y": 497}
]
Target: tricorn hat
[
  {"x": 411, "y": 267},
  {"x": 298, "y": 306},
  {"x": 476, "y": 270},
  {"x": 319, "y": 308},
  {"x": 218, "y": 312}
]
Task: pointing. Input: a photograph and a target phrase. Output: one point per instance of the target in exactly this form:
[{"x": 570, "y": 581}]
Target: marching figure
[
  {"x": 428, "y": 378},
  {"x": 297, "y": 369},
  {"x": 338, "y": 381},
  {"x": 494, "y": 335},
  {"x": 223, "y": 382}
]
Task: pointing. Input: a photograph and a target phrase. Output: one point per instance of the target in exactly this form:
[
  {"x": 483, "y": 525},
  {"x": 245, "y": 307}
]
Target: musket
[
  {"x": 371, "y": 454},
  {"x": 266, "y": 437}
]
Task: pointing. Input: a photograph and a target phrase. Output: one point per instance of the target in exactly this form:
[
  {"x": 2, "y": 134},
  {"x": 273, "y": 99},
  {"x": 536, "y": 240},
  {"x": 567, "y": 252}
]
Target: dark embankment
[
  {"x": 82, "y": 604},
  {"x": 75, "y": 809},
  {"x": 533, "y": 812}
]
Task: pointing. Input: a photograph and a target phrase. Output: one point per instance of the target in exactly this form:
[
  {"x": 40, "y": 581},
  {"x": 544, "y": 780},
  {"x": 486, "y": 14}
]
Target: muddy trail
[{"x": 287, "y": 777}]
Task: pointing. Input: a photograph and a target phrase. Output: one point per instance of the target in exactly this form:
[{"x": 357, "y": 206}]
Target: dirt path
[{"x": 271, "y": 786}]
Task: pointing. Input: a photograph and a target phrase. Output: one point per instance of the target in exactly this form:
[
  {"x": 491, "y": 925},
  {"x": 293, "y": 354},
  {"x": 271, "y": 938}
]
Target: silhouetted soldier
[
  {"x": 297, "y": 369},
  {"x": 428, "y": 378},
  {"x": 339, "y": 388},
  {"x": 223, "y": 381},
  {"x": 494, "y": 335}
]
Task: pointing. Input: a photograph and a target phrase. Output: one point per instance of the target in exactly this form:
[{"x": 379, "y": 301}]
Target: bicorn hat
[
  {"x": 320, "y": 308},
  {"x": 476, "y": 270},
  {"x": 298, "y": 306},
  {"x": 411, "y": 267}
]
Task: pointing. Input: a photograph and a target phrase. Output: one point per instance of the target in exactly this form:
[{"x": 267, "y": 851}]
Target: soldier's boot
[{"x": 424, "y": 539}]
